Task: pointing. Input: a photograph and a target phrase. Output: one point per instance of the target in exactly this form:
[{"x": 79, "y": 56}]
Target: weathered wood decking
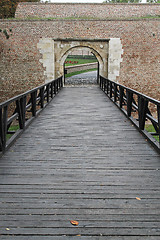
[{"x": 81, "y": 159}]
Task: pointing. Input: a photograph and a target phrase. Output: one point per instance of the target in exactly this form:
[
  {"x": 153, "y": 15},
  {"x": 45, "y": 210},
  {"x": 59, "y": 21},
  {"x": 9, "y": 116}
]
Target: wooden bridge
[{"x": 80, "y": 160}]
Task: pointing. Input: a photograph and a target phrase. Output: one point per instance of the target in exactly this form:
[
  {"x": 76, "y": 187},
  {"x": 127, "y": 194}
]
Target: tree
[
  {"x": 153, "y": 1},
  {"x": 8, "y": 7},
  {"x": 123, "y": 1}
]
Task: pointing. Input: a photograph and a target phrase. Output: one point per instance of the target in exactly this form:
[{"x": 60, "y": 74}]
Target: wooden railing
[
  {"x": 143, "y": 111},
  {"x": 18, "y": 112}
]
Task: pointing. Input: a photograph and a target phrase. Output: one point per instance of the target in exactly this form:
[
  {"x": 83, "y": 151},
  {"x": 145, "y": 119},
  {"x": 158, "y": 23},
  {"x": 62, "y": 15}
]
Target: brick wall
[
  {"x": 94, "y": 10},
  {"x": 20, "y": 68}
]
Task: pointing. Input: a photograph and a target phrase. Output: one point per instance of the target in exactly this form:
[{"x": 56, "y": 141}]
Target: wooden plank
[
  {"x": 80, "y": 160},
  {"x": 78, "y": 237},
  {"x": 86, "y": 231}
]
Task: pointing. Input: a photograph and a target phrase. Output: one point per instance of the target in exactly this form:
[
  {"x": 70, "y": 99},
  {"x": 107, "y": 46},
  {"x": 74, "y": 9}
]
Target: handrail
[
  {"x": 138, "y": 107},
  {"x": 22, "y": 109}
]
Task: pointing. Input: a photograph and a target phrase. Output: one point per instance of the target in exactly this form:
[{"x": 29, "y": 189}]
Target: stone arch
[
  {"x": 55, "y": 51},
  {"x": 93, "y": 51},
  {"x": 97, "y": 55},
  {"x": 98, "y": 47}
]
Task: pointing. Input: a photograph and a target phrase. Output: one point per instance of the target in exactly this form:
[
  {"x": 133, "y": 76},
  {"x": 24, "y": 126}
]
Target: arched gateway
[{"x": 55, "y": 51}]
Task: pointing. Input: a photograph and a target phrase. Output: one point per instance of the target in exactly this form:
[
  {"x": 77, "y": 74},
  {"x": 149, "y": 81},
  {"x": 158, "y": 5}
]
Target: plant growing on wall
[
  {"x": 5, "y": 32},
  {"x": 8, "y": 7}
]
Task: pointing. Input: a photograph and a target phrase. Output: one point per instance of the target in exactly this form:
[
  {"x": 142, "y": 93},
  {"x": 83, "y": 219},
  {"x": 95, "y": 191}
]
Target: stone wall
[
  {"x": 20, "y": 68},
  {"x": 94, "y": 10}
]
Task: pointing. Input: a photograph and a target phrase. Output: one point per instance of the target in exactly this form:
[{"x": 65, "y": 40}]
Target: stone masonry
[
  {"x": 83, "y": 10},
  {"x": 21, "y": 67}
]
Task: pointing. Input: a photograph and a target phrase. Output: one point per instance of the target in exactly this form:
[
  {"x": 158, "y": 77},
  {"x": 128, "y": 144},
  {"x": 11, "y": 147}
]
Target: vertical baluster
[
  {"x": 158, "y": 113},
  {"x": 18, "y": 109},
  {"x": 142, "y": 110},
  {"x": 42, "y": 97},
  {"x": 61, "y": 82},
  {"x": 51, "y": 89},
  {"x": 57, "y": 85},
  {"x": 21, "y": 109},
  {"x": 121, "y": 96},
  {"x": 110, "y": 89},
  {"x": 129, "y": 102},
  {"x": 47, "y": 89},
  {"x": 104, "y": 85},
  {"x": 107, "y": 86},
  {"x": 3, "y": 127},
  {"x": 115, "y": 92},
  {"x": 100, "y": 82},
  {"x": 33, "y": 100}
]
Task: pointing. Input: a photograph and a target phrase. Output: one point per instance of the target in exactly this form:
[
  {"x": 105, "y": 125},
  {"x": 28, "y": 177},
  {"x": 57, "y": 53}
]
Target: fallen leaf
[
  {"x": 138, "y": 198},
  {"x": 7, "y": 229},
  {"x": 75, "y": 223}
]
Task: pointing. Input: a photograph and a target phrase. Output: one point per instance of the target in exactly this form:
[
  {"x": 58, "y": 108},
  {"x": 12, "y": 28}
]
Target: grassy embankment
[
  {"x": 77, "y": 61},
  {"x": 150, "y": 128}
]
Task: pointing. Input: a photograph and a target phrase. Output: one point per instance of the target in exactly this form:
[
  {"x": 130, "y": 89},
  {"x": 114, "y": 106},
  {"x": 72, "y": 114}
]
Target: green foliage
[
  {"x": 79, "y": 72},
  {"x": 153, "y": 1},
  {"x": 8, "y": 7},
  {"x": 150, "y": 128},
  {"x": 123, "y": 1},
  {"x": 131, "y": 1},
  {"x": 71, "y": 61},
  {"x": 6, "y": 33}
]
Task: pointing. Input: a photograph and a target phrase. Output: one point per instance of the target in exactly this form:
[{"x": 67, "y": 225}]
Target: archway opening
[
  {"x": 81, "y": 66},
  {"x": 55, "y": 51}
]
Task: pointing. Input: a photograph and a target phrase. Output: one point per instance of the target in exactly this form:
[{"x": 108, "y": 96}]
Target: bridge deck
[{"x": 82, "y": 160}]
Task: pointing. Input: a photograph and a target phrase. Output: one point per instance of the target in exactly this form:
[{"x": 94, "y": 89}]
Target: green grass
[
  {"x": 83, "y": 18},
  {"x": 148, "y": 17},
  {"x": 79, "y": 72},
  {"x": 12, "y": 128},
  {"x": 150, "y": 128},
  {"x": 78, "y": 61}
]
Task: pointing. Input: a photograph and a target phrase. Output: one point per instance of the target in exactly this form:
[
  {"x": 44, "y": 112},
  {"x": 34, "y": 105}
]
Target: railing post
[
  {"x": 55, "y": 87},
  {"x": 110, "y": 90},
  {"x": 47, "y": 89},
  {"x": 100, "y": 81},
  {"x": 158, "y": 113},
  {"x": 21, "y": 109},
  {"x": 42, "y": 97},
  {"x": 142, "y": 110},
  {"x": 104, "y": 82},
  {"x": 51, "y": 89},
  {"x": 107, "y": 86},
  {"x": 59, "y": 84},
  {"x": 3, "y": 127},
  {"x": 33, "y": 100},
  {"x": 115, "y": 92},
  {"x": 129, "y": 102},
  {"x": 121, "y": 92}
]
